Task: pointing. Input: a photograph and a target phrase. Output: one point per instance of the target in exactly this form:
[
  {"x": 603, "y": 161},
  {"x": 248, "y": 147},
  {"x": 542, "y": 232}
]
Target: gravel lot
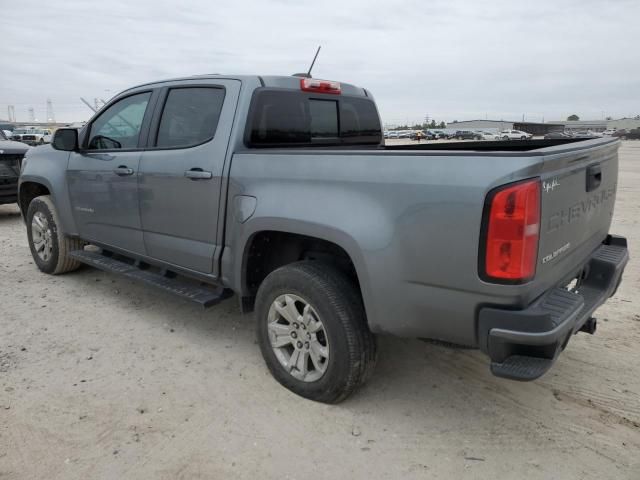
[{"x": 104, "y": 378}]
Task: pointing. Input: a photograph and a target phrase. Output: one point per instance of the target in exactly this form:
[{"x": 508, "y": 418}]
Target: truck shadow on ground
[{"x": 412, "y": 377}]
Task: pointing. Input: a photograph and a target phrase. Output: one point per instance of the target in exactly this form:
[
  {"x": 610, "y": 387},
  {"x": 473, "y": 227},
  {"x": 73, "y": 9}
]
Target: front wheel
[
  {"x": 313, "y": 332},
  {"x": 49, "y": 246},
  {"x": 505, "y": 138}
]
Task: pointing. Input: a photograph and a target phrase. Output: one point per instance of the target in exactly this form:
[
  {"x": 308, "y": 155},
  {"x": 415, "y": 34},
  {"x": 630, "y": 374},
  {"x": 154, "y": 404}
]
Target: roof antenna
[{"x": 308, "y": 74}]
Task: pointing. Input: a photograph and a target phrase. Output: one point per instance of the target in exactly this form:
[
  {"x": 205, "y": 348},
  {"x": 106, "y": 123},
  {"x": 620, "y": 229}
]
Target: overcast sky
[{"x": 446, "y": 59}]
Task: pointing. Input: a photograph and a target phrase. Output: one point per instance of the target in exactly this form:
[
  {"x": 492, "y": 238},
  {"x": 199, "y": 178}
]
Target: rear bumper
[{"x": 524, "y": 344}]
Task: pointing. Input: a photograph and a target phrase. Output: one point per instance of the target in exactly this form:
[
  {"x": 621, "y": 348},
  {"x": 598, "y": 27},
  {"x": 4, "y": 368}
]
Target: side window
[
  {"x": 190, "y": 116},
  {"x": 119, "y": 125}
]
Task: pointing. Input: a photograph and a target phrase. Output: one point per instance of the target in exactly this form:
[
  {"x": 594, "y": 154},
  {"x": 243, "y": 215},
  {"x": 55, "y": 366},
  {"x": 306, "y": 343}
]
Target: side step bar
[{"x": 202, "y": 295}]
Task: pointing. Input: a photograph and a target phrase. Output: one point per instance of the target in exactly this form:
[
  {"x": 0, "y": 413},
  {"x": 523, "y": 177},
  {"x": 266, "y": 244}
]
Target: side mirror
[{"x": 65, "y": 139}]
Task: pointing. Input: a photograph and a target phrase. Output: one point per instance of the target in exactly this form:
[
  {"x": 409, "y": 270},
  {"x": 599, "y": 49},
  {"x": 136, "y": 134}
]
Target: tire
[
  {"x": 523, "y": 138},
  {"x": 41, "y": 141},
  {"x": 505, "y": 138},
  {"x": 336, "y": 305},
  {"x": 54, "y": 257}
]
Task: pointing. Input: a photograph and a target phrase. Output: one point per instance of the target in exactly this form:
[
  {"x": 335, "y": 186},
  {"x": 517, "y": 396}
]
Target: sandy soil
[{"x": 104, "y": 378}]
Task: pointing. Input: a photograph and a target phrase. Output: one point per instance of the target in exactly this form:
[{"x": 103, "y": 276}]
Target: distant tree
[
  {"x": 432, "y": 124},
  {"x": 637, "y": 117},
  {"x": 573, "y": 118},
  {"x": 609, "y": 118},
  {"x": 442, "y": 125},
  {"x": 455, "y": 121}
]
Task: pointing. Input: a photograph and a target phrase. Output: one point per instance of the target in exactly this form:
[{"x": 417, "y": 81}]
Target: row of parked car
[
  {"x": 30, "y": 136},
  {"x": 458, "y": 134},
  {"x": 623, "y": 134}
]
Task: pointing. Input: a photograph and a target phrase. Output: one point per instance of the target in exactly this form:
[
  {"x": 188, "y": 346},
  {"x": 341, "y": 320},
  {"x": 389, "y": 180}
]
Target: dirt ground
[{"x": 101, "y": 378}]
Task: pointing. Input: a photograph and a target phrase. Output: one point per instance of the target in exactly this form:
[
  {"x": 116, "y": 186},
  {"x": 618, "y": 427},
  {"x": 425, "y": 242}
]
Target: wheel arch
[
  {"x": 32, "y": 186},
  {"x": 30, "y": 189},
  {"x": 296, "y": 241}
]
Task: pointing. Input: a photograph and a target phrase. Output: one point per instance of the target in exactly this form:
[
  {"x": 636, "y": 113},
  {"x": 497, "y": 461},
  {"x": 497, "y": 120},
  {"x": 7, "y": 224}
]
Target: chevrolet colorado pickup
[{"x": 281, "y": 190}]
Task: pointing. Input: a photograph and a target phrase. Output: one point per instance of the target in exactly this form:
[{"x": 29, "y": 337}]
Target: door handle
[
  {"x": 594, "y": 177},
  {"x": 198, "y": 174},
  {"x": 123, "y": 171}
]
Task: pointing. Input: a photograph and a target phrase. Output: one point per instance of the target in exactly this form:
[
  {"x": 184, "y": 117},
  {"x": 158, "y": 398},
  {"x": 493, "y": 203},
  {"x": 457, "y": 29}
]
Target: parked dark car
[
  {"x": 422, "y": 135},
  {"x": 467, "y": 135},
  {"x": 624, "y": 134},
  {"x": 11, "y": 155},
  {"x": 556, "y": 135}
]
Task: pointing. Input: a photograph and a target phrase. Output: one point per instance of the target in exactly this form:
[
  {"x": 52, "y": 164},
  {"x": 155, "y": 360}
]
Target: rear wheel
[
  {"x": 313, "y": 332},
  {"x": 523, "y": 138},
  {"x": 505, "y": 138},
  {"x": 49, "y": 246}
]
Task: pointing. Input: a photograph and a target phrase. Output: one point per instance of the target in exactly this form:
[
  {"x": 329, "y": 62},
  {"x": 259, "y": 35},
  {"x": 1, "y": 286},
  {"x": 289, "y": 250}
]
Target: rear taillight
[
  {"x": 320, "y": 86},
  {"x": 512, "y": 226}
]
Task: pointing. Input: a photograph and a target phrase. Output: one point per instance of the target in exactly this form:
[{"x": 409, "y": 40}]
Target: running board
[{"x": 204, "y": 296}]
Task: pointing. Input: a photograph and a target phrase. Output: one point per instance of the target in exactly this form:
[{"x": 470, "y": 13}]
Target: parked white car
[
  {"x": 514, "y": 135},
  {"x": 36, "y": 136},
  {"x": 609, "y": 132},
  {"x": 490, "y": 136}
]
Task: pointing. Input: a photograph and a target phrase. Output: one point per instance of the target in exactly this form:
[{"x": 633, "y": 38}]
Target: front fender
[{"x": 47, "y": 166}]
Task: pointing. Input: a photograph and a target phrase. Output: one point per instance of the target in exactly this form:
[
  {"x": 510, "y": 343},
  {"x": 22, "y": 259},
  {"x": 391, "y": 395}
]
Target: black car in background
[
  {"x": 467, "y": 135},
  {"x": 11, "y": 155},
  {"x": 624, "y": 134},
  {"x": 556, "y": 135}
]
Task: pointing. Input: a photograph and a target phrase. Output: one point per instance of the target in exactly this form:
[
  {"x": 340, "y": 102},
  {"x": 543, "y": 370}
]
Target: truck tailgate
[{"x": 577, "y": 199}]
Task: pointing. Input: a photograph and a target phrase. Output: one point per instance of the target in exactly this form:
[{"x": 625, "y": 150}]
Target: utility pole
[
  {"x": 11, "y": 113},
  {"x": 32, "y": 114},
  {"x": 51, "y": 118}
]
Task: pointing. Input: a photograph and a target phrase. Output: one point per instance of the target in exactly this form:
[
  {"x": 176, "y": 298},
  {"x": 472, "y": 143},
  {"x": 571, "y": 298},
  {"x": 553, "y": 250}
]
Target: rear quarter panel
[{"x": 410, "y": 222}]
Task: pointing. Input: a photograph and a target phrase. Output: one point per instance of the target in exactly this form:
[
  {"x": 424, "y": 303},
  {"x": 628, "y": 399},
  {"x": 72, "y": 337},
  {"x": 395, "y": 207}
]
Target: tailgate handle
[{"x": 594, "y": 177}]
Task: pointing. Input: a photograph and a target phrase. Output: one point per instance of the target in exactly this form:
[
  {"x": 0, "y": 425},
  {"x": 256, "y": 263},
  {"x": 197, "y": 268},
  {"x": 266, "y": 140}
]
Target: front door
[
  {"x": 103, "y": 175},
  {"x": 181, "y": 172}
]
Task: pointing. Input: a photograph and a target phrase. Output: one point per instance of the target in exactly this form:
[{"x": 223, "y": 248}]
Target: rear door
[
  {"x": 181, "y": 172},
  {"x": 578, "y": 196}
]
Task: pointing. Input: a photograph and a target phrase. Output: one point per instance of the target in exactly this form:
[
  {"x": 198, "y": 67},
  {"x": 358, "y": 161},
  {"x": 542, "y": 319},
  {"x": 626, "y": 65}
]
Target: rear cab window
[{"x": 282, "y": 117}]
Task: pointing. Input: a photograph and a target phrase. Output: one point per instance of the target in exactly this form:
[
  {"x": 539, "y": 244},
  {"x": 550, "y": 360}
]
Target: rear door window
[{"x": 190, "y": 116}]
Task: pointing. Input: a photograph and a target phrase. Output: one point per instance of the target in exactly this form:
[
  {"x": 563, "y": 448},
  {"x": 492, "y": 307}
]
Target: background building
[{"x": 544, "y": 128}]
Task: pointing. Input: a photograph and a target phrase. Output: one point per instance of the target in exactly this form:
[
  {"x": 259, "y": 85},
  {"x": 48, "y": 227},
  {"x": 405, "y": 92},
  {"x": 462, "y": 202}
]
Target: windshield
[
  {"x": 2, "y": 135},
  {"x": 20, "y": 131}
]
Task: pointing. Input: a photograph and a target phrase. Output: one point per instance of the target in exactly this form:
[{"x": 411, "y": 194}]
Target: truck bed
[{"x": 489, "y": 146}]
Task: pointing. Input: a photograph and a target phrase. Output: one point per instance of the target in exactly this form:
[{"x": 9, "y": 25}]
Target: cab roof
[{"x": 274, "y": 81}]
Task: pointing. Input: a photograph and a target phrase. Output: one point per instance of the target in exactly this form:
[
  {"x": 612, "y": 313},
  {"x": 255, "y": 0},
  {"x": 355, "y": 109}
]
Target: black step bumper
[{"x": 523, "y": 344}]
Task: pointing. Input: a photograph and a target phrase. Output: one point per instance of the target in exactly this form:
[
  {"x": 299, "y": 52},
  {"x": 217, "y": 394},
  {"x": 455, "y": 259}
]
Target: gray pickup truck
[{"x": 281, "y": 190}]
